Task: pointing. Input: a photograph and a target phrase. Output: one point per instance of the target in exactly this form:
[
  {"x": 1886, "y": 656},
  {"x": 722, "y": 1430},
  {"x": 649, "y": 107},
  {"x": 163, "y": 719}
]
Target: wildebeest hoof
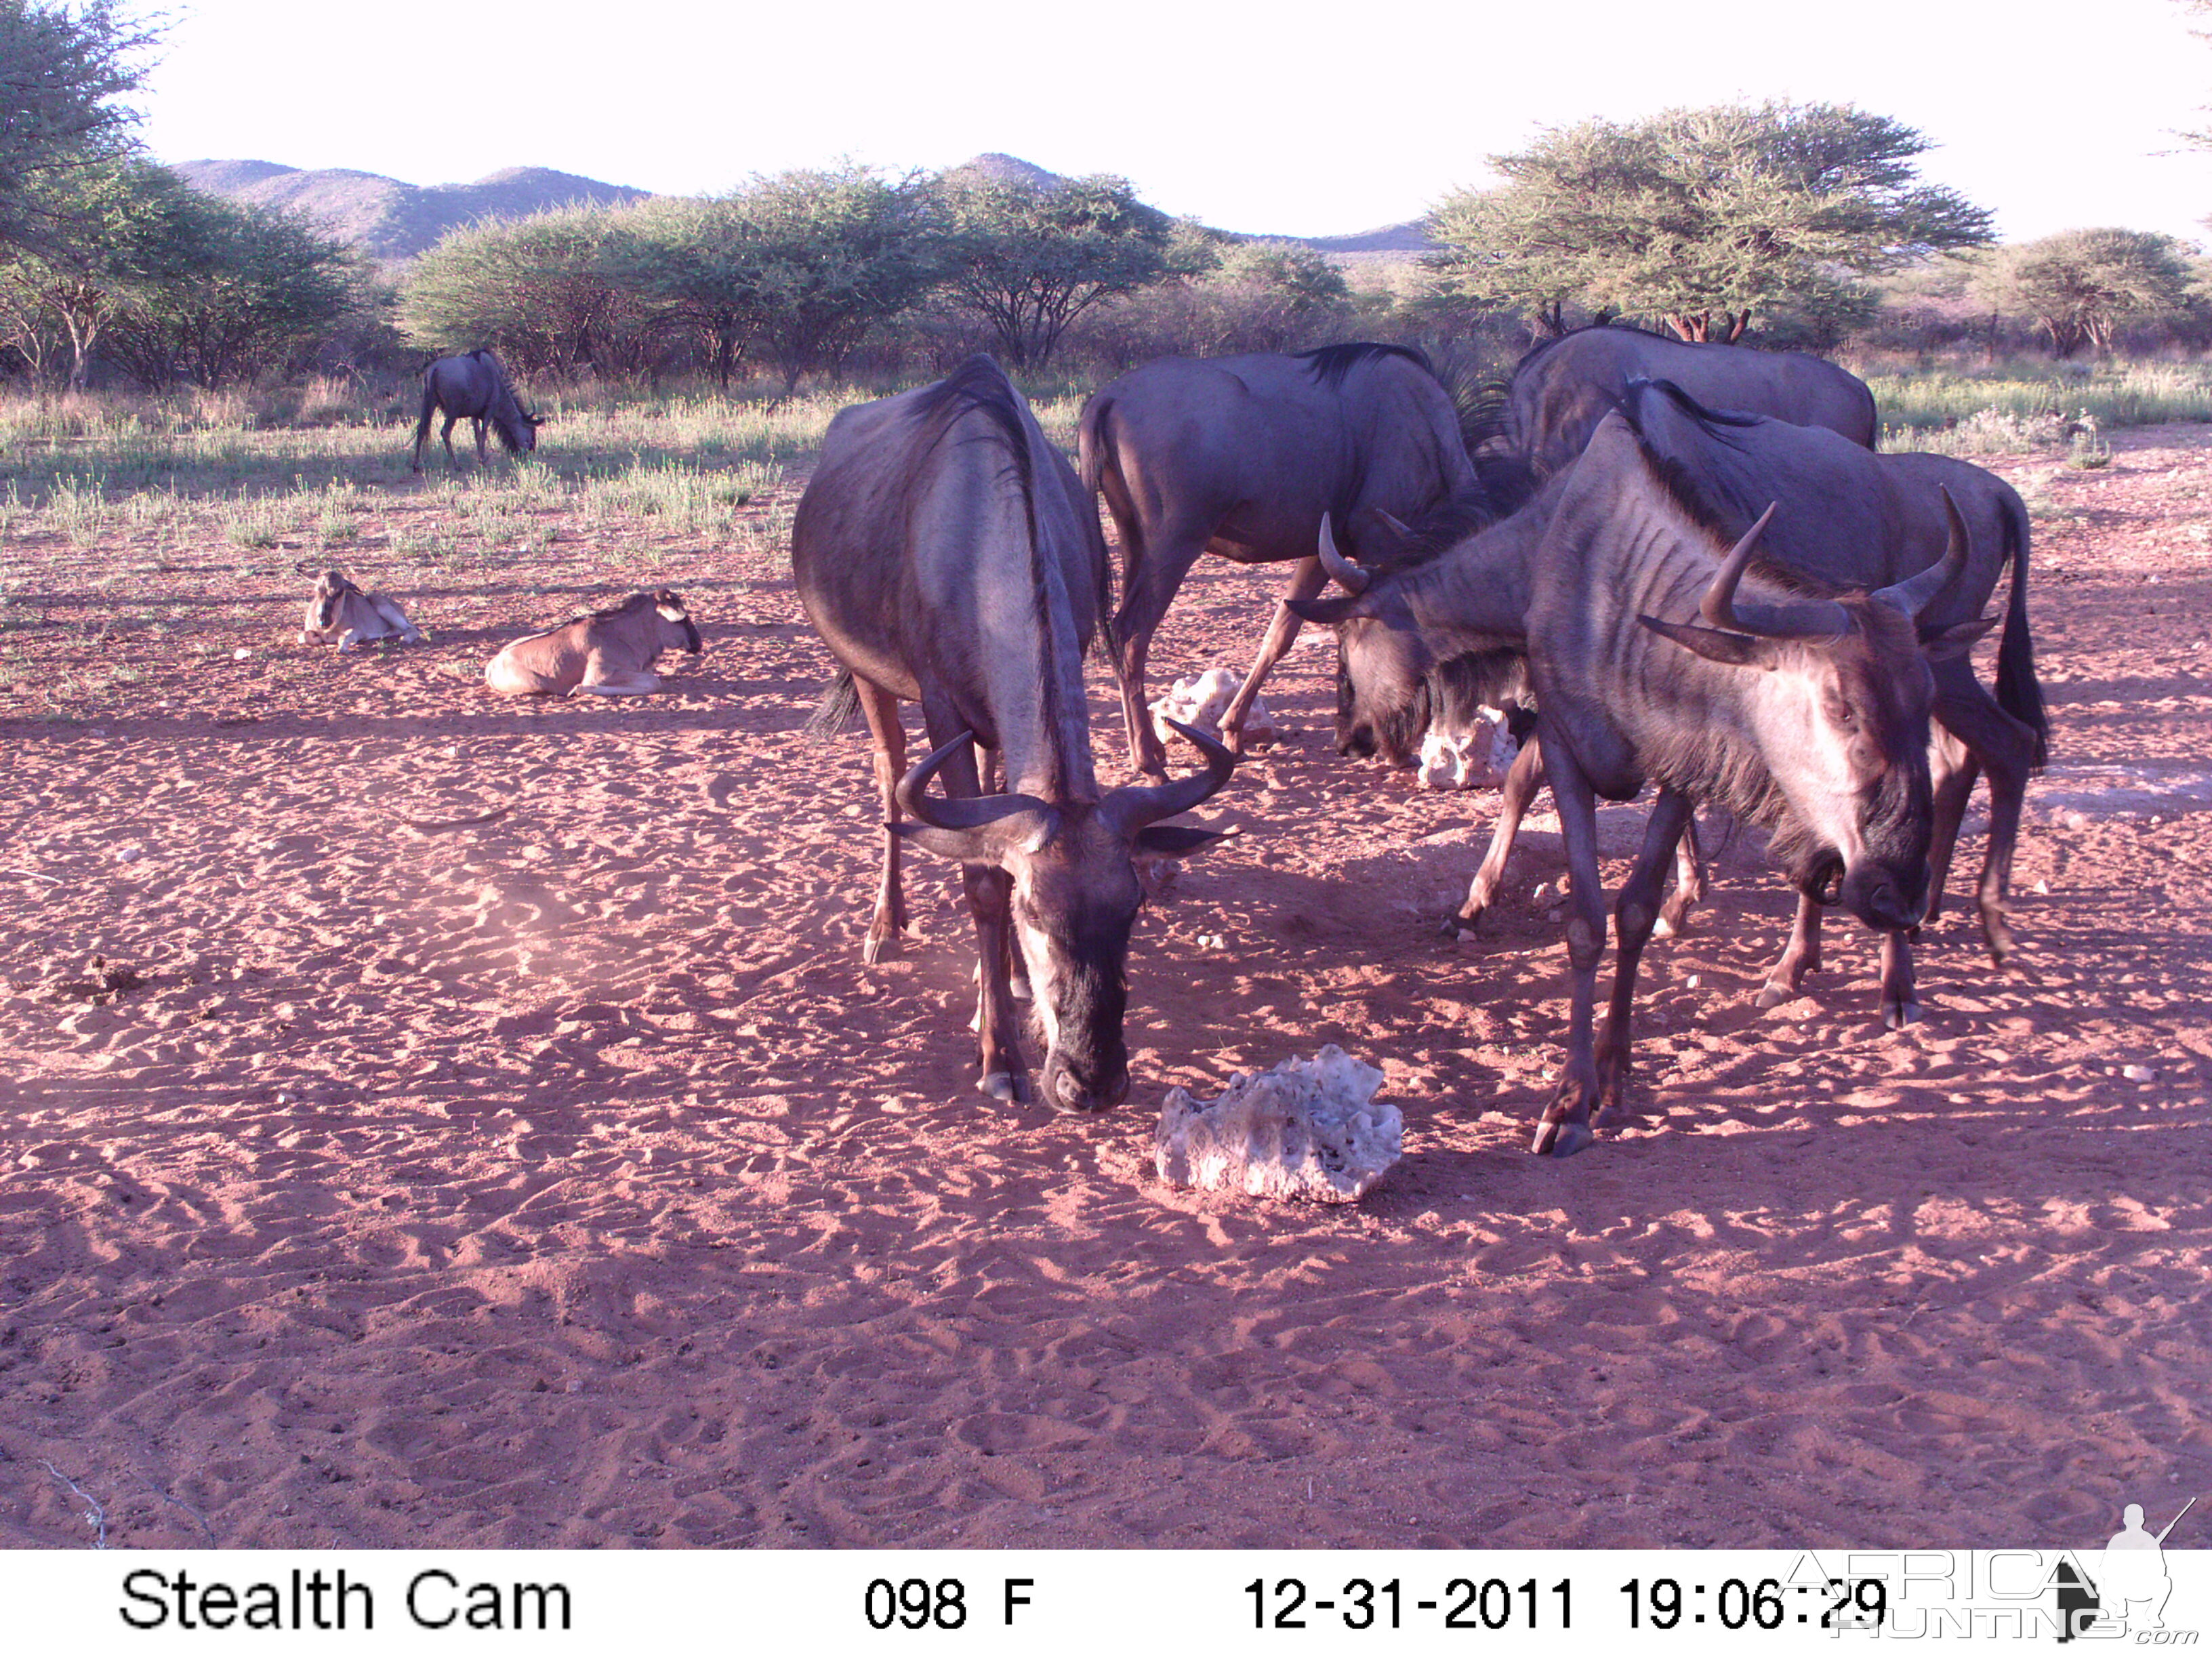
[
  {"x": 1773, "y": 994},
  {"x": 1561, "y": 1140},
  {"x": 1896, "y": 1015},
  {"x": 879, "y": 948},
  {"x": 1001, "y": 1086},
  {"x": 1019, "y": 984}
]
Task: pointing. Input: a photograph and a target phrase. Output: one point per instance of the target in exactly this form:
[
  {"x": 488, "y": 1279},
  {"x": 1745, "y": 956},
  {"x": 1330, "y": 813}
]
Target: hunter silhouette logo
[{"x": 2130, "y": 1585}]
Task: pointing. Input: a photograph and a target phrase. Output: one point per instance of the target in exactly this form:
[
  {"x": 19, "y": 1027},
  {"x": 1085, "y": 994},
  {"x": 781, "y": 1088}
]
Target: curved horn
[
  {"x": 1130, "y": 808},
  {"x": 1348, "y": 575},
  {"x": 955, "y": 812},
  {"x": 1718, "y": 607},
  {"x": 1916, "y": 594}
]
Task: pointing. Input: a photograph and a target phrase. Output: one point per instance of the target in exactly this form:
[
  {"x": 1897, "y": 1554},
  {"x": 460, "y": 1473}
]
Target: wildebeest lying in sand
[
  {"x": 341, "y": 613},
  {"x": 1807, "y": 716},
  {"x": 610, "y": 652},
  {"x": 948, "y": 556},
  {"x": 1241, "y": 456},
  {"x": 1849, "y": 518},
  {"x": 474, "y": 387}
]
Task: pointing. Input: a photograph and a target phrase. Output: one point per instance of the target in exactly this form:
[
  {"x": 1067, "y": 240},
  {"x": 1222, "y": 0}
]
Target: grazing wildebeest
[
  {"x": 1850, "y": 518},
  {"x": 610, "y": 652},
  {"x": 1562, "y": 388},
  {"x": 474, "y": 387},
  {"x": 1807, "y": 716},
  {"x": 341, "y": 612},
  {"x": 948, "y": 556},
  {"x": 1241, "y": 456}
]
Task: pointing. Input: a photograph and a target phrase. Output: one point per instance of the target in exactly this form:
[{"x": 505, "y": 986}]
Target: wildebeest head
[
  {"x": 1838, "y": 710},
  {"x": 677, "y": 632},
  {"x": 331, "y": 589},
  {"x": 1075, "y": 898},
  {"x": 1382, "y": 667}
]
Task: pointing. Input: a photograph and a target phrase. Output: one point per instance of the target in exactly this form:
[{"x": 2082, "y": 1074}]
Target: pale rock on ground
[
  {"x": 1201, "y": 701},
  {"x": 1477, "y": 759},
  {"x": 1302, "y": 1128}
]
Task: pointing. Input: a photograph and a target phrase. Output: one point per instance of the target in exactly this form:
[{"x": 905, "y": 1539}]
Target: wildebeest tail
[
  {"x": 2020, "y": 693},
  {"x": 839, "y": 708}
]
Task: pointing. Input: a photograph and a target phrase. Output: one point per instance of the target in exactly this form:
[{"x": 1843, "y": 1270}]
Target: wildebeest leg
[
  {"x": 1634, "y": 916},
  {"x": 1565, "y": 1129},
  {"x": 1306, "y": 581},
  {"x": 483, "y": 455},
  {"x": 887, "y": 733},
  {"x": 1953, "y": 770},
  {"x": 1523, "y": 780},
  {"x": 2005, "y": 749},
  {"x": 1689, "y": 883},
  {"x": 1801, "y": 956},
  {"x": 1150, "y": 578},
  {"x": 1900, "y": 998},
  {"x": 602, "y": 682},
  {"x": 446, "y": 437},
  {"x": 1018, "y": 971},
  {"x": 990, "y": 898}
]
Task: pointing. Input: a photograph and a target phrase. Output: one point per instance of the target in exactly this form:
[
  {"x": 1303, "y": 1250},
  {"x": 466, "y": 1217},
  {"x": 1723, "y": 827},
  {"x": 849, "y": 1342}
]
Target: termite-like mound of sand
[{"x": 1304, "y": 1128}]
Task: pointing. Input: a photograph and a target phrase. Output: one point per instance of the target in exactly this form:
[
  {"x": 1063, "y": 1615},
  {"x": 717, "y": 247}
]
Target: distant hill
[
  {"x": 1385, "y": 244},
  {"x": 389, "y": 220}
]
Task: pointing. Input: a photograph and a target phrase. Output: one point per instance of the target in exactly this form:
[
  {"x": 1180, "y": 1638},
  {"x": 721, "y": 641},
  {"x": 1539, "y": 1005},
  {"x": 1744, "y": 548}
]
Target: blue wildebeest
[
  {"x": 1849, "y": 519},
  {"x": 950, "y": 556},
  {"x": 1807, "y": 716},
  {"x": 1561, "y": 389},
  {"x": 1241, "y": 456},
  {"x": 474, "y": 387}
]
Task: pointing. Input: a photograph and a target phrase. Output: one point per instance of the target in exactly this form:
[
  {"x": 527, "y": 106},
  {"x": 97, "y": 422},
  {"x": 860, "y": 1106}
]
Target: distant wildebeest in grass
[
  {"x": 474, "y": 387},
  {"x": 1805, "y": 715},
  {"x": 950, "y": 556},
  {"x": 1850, "y": 518},
  {"x": 610, "y": 652},
  {"x": 1241, "y": 456},
  {"x": 341, "y": 613},
  {"x": 1561, "y": 389}
]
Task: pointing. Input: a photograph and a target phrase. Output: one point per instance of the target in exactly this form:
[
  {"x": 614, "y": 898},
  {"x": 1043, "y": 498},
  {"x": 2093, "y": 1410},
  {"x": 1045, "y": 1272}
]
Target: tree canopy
[
  {"x": 64, "y": 70},
  {"x": 794, "y": 269},
  {"x": 1737, "y": 211},
  {"x": 1028, "y": 257},
  {"x": 2082, "y": 287}
]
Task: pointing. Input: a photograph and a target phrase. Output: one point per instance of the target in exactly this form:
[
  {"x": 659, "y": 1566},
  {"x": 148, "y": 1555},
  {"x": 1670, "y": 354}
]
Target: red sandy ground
[{"x": 565, "y": 1180}]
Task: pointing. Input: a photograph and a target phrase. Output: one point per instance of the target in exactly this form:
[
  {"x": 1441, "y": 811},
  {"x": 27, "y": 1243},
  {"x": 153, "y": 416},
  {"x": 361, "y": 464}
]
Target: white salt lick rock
[
  {"x": 1304, "y": 1128},
  {"x": 1475, "y": 759},
  {"x": 1201, "y": 702}
]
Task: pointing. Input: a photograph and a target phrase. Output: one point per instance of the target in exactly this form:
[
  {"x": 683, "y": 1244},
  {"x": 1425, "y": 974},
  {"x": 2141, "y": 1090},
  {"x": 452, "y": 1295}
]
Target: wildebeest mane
[
  {"x": 1329, "y": 364},
  {"x": 980, "y": 385}
]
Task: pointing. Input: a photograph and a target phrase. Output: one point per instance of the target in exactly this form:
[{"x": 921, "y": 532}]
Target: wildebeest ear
[
  {"x": 1941, "y": 644},
  {"x": 1332, "y": 608},
  {"x": 1175, "y": 838},
  {"x": 1717, "y": 645}
]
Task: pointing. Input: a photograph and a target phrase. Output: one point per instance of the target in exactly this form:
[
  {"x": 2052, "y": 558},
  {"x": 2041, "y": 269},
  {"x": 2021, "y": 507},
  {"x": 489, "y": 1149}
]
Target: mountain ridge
[{"x": 392, "y": 220}]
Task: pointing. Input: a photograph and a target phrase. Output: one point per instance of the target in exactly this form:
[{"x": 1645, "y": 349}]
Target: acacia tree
[
  {"x": 64, "y": 70},
  {"x": 248, "y": 292},
  {"x": 1702, "y": 218},
  {"x": 1027, "y": 257},
  {"x": 140, "y": 227},
  {"x": 2082, "y": 287},
  {"x": 551, "y": 292}
]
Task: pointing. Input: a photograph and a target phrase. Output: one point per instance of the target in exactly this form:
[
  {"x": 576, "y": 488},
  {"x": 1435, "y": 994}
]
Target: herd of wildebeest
[{"x": 1684, "y": 565}]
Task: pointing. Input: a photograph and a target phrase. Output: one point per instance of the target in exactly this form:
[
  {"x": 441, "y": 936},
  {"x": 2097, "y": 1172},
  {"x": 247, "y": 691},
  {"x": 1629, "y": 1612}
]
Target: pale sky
[{"x": 1305, "y": 122}]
